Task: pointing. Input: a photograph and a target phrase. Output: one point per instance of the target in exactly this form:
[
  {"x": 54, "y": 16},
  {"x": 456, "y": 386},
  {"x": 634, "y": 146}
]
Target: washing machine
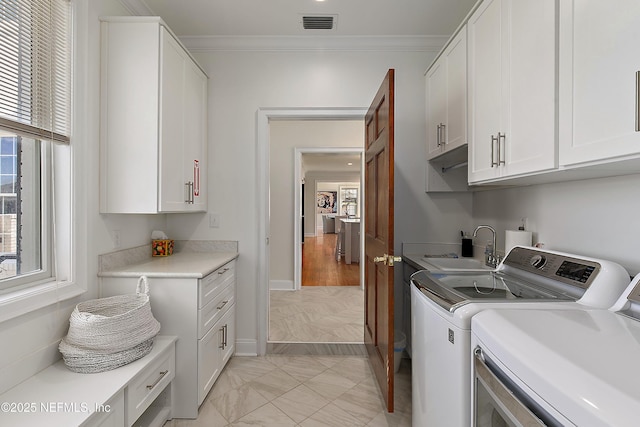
[
  {"x": 443, "y": 304},
  {"x": 558, "y": 367}
]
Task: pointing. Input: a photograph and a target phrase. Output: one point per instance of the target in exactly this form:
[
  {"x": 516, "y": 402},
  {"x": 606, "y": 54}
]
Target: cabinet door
[
  {"x": 195, "y": 135},
  {"x": 485, "y": 89},
  {"x": 436, "y": 85},
  {"x": 598, "y": 64},
  {"x": 529, "y": 91},
  {"x": 112, "y": 415},
  {"x": 512, "y": 48},
  {"x": 229, "y": 324},
  {"x": 209, "y": 359},
  {"x": 172, "y": 192},
  {"x": 446, "y": 85},
  {"x": 455, "y": 132}
]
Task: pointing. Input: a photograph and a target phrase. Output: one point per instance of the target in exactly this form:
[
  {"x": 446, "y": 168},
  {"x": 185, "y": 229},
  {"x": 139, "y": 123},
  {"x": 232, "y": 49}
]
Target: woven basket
[{"x": 107, "y": 333}]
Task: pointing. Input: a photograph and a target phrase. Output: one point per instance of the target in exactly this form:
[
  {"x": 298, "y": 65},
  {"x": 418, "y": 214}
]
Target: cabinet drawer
[
  {"x": 213, "y": 311},
  {"x": 149, "y": 383},
  {"x": 211, "y": 285}
]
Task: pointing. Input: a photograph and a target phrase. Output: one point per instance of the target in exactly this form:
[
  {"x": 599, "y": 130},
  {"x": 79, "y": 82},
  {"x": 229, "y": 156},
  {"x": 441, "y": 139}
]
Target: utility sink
[{"x": 456, "y": 264}]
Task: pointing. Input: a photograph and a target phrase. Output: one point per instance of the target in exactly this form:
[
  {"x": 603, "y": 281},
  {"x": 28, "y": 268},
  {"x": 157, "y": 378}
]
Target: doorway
[
  {"x": 269, "y": 227},
  {"x": 327, "y": 304},
  {"x": 333, "y": 179}
]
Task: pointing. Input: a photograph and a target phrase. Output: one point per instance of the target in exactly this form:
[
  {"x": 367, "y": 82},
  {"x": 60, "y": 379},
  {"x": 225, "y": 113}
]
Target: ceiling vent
[{"x": 318, "y": 22}]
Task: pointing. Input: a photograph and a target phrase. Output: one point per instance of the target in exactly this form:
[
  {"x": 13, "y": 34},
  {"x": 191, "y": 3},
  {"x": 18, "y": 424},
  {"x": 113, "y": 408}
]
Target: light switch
[{"x": 214, "y": 220}]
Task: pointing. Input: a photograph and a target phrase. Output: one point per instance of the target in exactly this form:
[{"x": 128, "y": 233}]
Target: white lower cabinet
[
  {"x": 217, "y": 345},
  {"x": 115, "y": 416},
  {"x": 135, "y": 395},
  {"x": 201, "y": 313}
]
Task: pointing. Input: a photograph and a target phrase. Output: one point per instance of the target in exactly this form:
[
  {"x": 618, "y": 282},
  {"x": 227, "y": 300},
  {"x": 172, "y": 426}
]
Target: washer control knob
[{"x": 538, "y": 261}]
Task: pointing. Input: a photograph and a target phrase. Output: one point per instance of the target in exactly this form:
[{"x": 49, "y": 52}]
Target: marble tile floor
[
  {"x": 306, "y": 391},
  {"x": 317, "y": 314}
]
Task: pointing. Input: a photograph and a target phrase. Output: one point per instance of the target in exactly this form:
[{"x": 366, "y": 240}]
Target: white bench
[{"x": 134, "y": 394}]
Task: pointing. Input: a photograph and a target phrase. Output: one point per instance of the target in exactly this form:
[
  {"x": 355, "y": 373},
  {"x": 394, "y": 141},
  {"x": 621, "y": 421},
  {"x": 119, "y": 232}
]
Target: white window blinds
[{"x": 35, "y": 68}]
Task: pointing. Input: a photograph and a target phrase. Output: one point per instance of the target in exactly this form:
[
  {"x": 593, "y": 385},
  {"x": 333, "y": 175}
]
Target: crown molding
[
  {"x": 137, "y": 7},
  {"x": 315, "y": 43},
  {"x": 299, "y": 43}
]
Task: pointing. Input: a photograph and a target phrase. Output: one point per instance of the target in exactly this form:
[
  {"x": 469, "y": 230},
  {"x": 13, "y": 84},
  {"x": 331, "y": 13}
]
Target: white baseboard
[
  {"x": 246, "y": 347},
  {"x": 281, "y": 285}
]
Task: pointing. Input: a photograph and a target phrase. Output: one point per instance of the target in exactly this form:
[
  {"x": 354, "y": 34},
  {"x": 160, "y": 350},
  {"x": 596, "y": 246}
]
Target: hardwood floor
[{"x": 319, "y": 265}]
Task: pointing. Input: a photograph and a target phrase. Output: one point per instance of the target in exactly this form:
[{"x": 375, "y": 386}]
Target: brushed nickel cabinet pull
[
  {"x": 189, "y": 190},
  {"x": 501, "y": 158},
  {"x": 221, "y": 346},
  {"x": 494, "y": 139},
  {"x": 222, "y": 305},
  {"x": 443, "y": 133},
  {"x": 162, "y": 374},
  {"x": 438, "y": 131}
]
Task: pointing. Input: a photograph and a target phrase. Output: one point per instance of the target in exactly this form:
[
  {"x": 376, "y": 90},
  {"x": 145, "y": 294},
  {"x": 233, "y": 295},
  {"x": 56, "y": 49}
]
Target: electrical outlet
[
  {"x": 214, "y": 220},
  {"x": 115, "y": 237}
]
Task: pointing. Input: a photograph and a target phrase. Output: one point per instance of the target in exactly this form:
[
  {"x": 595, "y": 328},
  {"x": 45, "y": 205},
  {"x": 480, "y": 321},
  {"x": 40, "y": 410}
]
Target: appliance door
[{"x": 500, "y": 403}]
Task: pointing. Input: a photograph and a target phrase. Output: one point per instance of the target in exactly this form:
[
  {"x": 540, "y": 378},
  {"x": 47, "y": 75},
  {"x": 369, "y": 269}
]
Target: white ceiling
[
  {"x": 277, "y": 18},
  {"x": 283, "y": 17},
  {"x": 330, "y": 162}
]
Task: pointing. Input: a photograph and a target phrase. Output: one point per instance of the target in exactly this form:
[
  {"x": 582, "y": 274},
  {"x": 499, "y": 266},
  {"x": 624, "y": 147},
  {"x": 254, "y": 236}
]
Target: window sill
[{"x": 17, "y": 303}]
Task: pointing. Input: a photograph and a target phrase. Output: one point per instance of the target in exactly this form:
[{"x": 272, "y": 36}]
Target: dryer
[{"x": 558, "y": 367}]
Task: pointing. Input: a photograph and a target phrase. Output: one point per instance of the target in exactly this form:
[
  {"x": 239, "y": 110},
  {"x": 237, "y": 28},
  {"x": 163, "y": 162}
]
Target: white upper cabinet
[
  {"x": 599, "y": 62},
  {"x": 446, "y": 86},
  {"x": 153, "y": 146},
  {"x": 512, "y": 90}
]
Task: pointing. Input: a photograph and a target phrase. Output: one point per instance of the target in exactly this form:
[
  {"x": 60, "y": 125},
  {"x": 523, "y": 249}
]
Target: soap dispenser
[{"x": 467, "y": 245}]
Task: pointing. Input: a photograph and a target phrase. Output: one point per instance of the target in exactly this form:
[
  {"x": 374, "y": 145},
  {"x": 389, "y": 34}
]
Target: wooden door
[{"x": 378, "y": 328}]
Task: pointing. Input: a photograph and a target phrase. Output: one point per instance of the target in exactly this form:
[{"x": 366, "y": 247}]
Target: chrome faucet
[{"x": 491, "y": 259}]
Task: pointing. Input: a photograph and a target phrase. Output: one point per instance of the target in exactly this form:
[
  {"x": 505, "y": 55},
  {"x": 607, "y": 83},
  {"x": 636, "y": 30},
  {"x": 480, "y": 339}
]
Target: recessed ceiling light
[{"x": 348, "y": 164}]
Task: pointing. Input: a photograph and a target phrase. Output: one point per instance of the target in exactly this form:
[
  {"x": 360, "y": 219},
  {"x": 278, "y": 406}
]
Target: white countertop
[
  {"x": 352, "y": 220},
  {"x": 180, "y": 265}
]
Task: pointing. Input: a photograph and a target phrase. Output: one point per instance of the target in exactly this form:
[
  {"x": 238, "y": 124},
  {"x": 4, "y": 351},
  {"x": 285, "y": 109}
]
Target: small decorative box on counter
[{"x": 163, "y": 247}]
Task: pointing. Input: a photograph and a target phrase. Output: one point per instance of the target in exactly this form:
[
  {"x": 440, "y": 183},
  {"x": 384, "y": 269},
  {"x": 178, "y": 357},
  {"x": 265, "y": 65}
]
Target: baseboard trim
[
  {"x": 246, "y": 347},
  {"x": 319, "y": 349},
  {"x": 281, "y": 285}
]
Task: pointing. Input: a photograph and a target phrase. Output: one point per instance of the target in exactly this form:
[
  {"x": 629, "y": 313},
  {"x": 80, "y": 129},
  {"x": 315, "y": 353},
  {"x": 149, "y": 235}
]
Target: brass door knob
[{"x": 380, "y": 259}]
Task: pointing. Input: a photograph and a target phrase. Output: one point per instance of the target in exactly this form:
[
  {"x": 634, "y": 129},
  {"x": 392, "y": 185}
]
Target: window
[{"x": 35, "y": 106}]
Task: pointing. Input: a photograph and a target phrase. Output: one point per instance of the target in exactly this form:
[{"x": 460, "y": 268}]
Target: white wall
[
  {"x": 241, "y": 82},
  {"x": 284, "y": 137},
  {"x": 597, "y": 217},
  {"x": 31, "y": 340}
]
